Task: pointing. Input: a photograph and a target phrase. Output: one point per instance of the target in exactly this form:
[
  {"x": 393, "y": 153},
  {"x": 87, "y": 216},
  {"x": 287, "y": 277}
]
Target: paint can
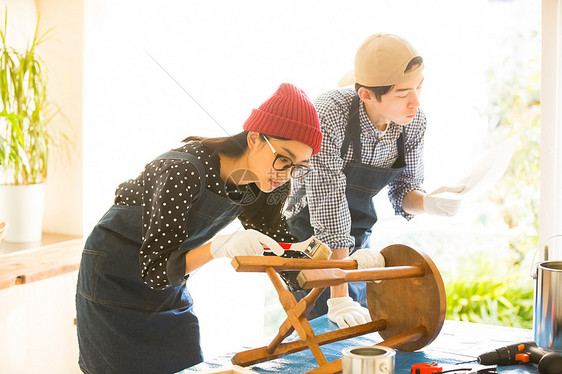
[
  {"x": 547, "y": 323},
  {"x": 368, "y": 360}
]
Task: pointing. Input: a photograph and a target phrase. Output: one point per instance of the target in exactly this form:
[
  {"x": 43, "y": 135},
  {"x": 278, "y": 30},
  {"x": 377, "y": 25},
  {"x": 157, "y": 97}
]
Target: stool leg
[
  {"x": 300, "y": 324},
  {"x": 257, "y": 355},
  {"x": 285, "y": 297},
  {"x": 301, "y": 310}
]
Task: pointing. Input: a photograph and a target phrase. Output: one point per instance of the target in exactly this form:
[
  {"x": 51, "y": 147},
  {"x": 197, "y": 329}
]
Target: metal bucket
[
  {"x": 548, "y": 306},
  {"x": 368, "y": 360}
]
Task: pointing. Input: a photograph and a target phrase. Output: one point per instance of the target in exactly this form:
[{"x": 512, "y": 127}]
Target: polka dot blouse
[{"x": 165, "y": 190}]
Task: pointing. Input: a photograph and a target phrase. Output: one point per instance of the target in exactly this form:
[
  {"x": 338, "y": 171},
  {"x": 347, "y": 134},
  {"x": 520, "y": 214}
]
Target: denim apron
[
  {"x": 123, "y": 325},
  {"x": 363, "y": 182}
]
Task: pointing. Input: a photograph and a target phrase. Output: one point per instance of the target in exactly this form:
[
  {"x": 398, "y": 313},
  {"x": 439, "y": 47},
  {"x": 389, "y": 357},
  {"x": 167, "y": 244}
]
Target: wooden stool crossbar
[{"x": 406, "y": 300}]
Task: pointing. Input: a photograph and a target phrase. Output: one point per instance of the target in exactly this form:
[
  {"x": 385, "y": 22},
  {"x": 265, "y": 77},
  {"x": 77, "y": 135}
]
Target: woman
[{"x": 134, "y": 314}]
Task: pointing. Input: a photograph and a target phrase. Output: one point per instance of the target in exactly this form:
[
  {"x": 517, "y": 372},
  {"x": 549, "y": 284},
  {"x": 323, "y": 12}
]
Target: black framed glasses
[{"x": 284, "y": 163}]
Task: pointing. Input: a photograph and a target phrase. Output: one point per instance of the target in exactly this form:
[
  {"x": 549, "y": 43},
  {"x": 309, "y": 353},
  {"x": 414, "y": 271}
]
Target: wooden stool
[{"x": 406, "y": 300}]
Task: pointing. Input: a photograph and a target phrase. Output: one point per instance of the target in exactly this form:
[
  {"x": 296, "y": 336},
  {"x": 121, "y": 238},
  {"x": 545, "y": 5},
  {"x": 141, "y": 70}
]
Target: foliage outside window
[{"x": 500, "y": 291}]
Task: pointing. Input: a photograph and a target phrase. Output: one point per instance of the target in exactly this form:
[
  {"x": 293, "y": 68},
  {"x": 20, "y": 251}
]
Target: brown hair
[
  {"x": 379, "y": 91},
  {"x": 263, "y": 207}
]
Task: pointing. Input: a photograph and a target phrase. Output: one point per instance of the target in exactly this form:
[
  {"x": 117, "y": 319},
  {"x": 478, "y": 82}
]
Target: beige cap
[{"x": 381, "y": 61}]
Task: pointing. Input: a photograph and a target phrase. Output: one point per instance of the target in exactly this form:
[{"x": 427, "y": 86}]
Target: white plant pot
[{"x": 21, "y": 207}]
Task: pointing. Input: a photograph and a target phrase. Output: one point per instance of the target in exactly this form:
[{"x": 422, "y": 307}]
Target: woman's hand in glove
[
  {"x": 346, "y": 312},
  {"x": 243, "y": 243}
]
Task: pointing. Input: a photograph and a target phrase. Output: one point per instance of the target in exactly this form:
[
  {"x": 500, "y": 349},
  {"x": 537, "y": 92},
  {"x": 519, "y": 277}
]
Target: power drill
[{"x": 549, "y": 363}]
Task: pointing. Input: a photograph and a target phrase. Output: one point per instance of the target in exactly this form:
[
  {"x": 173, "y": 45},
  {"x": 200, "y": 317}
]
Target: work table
[
  {"x": 24, "y": 263},
  {"x": 457, "y": 342}
]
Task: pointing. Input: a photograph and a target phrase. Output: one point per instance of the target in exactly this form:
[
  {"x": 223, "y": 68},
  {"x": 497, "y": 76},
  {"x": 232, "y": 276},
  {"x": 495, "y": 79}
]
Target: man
[{"x": 373, "y": 137}]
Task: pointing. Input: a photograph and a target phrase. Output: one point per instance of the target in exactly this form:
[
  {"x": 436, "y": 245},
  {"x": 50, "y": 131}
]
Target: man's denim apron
[
  {"x": 124, "y": 326},
  {"x": 363, "y": 182}
]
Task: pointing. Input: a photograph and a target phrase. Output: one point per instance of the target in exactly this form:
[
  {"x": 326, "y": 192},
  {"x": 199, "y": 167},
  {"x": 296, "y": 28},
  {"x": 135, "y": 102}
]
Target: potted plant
[{"x": 26, "y": 137}]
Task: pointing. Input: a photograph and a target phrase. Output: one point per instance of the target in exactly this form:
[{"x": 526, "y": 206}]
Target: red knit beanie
[{"x": 288, "y": 113}]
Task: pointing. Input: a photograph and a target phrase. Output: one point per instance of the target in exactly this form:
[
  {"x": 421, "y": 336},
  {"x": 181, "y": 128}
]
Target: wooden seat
[{"x": 406, "y": 300}]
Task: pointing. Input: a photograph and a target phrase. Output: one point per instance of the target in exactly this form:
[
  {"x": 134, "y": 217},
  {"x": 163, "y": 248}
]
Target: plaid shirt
[{"x": 325, "y": 185}]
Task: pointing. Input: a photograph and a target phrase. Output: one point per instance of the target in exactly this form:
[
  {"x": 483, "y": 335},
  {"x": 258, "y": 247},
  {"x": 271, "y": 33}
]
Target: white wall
[
  {"x": 551, "y": 128},
  {"x": 62, "y": 53}
]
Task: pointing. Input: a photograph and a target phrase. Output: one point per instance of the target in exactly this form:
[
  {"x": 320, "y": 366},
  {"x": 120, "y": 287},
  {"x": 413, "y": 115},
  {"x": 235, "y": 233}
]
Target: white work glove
[
  {"x": 444, "y": 201},
  {"x": 346, "y": 312},
  {"x": 367, "y": 258},
  {"x": 243, "y": 243}
]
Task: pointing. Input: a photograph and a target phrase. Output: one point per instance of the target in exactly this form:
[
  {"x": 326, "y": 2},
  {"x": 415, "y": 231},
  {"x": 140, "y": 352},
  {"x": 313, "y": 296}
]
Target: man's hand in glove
[
  {"x": 243, "y": 243},
  {"x": 367, "y": 258},
  {"x": 346, "y": 312},
  {"x": 444, "y": 201}
]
